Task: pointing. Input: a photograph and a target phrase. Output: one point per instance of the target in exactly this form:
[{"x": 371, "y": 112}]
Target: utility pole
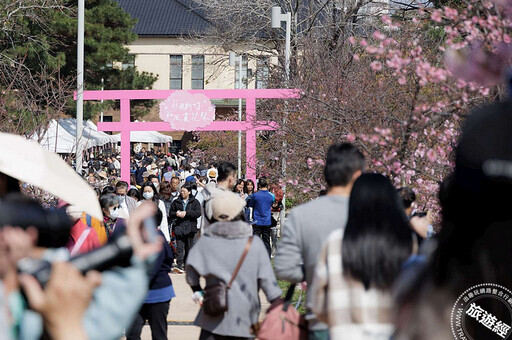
[
  {"x": 232, "y": 62},
  {"x": 80, "y": 86},
  {"x": 276, "y": 19}
]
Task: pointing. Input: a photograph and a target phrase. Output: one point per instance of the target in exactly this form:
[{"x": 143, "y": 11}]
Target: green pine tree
[{"x": 108, "y": 29}]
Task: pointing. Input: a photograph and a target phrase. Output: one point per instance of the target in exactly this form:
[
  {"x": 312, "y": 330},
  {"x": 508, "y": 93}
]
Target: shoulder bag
[
  {"x": 283, "y": 322},
  {"x": 215, "y": 302}
]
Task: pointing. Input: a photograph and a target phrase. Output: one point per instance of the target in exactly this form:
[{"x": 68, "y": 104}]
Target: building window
[
  {"x": 176, "y": 72},
  {"x": 198, "y": 72},
  {"x": 130, "y": 62},
  {"x": 244, "y": 72},
  {"x": 262, "y": 73}
]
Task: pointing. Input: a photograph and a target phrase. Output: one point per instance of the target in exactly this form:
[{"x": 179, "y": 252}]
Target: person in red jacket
[{"x": 82, "y": 238}]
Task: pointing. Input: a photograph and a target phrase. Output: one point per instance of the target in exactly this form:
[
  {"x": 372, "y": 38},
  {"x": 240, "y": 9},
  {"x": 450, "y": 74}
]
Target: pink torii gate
[{"x": 250, "y": 125}]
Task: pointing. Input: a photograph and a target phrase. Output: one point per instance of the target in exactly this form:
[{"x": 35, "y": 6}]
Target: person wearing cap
[
  {"x": 226, "y": 237},
  {"x": 212, "y": 175},
  {"x": 145, "y": 176},
  {"x": 191, "y": 178},
  {"x": 102, "y": 175}
]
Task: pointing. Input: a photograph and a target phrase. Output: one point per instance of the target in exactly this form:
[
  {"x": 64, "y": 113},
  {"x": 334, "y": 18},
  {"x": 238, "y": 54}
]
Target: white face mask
[
  {"x": 121, "y": 198},
  {"x": 114, "y": 213},
  {"x": 157, "y": 185},
  {"x": 148, "y": 195}
]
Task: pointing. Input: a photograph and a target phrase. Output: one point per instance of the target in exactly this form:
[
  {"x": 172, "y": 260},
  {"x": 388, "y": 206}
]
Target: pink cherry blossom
[
  {"x": 376, "y": 65},
  {"x": 378, "y": 35},
  {"x": 436, "y": 16}
]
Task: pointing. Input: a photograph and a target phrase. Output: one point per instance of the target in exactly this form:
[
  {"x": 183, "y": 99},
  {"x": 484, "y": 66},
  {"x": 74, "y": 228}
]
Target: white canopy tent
[
  {"x": 100, "y": 134},
  {"x": 60, "y": 137},
  {"x": 147, "y": 137},
  {"x": 91, "y": 138},
  {"x": 56, "y": 139}
]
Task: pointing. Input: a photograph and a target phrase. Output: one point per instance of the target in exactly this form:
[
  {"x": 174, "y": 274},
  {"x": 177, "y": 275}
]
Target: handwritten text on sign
[{"x": 186, "y": 111}]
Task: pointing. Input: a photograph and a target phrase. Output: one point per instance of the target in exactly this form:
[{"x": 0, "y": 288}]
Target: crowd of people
[{"x": 373, "y": 267}]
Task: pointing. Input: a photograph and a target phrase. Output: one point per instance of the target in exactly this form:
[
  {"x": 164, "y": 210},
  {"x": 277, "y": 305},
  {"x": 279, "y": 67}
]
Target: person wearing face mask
[
  {"x": 149, "y": 193},
  {"x": 126, "y": 203},
  {"x": 154, "y": 179},
  {"x": 110, "y": 206},
  {"x": 186, "y": 209}
]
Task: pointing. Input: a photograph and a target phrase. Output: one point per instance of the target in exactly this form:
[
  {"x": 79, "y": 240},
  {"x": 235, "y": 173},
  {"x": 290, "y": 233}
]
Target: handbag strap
[
  {"x": 242, "y": 258},
  {"x": 288, "y": 297}
]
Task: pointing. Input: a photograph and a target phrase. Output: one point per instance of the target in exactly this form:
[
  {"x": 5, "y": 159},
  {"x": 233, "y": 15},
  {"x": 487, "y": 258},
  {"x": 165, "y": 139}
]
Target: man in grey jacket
[
  {"x": 127, "y": 204},
  {"x": 309, "y": 224}
]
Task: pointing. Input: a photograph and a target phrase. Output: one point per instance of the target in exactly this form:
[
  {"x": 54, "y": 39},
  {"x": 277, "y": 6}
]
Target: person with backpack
[
  {"x": 97, "y": 225},
  {"x": 82, "y": 238},
  {"x": 241, "y": 263}
]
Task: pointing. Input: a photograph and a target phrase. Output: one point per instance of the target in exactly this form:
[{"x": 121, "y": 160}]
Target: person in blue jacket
[
  {"x": 261, "y": 202},
  {"x": 156, "y": 304}
]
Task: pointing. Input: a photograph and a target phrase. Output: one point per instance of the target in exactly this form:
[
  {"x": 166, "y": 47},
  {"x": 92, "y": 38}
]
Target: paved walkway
[{"x": 183, "y": 311}]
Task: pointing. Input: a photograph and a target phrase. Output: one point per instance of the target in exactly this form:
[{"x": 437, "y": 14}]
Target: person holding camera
[
  {"x": 421, "y": 222},
  {"x": 114, "y": 302},
  {"x": 185, "y": 210}
]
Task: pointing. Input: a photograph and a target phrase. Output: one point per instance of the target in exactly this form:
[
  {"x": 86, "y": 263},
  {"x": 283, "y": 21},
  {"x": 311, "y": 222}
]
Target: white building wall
[{"x": 153, "y": 55}]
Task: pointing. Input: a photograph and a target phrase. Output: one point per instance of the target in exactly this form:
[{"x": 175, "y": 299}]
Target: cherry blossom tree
[{"x": 398, "y": 89}]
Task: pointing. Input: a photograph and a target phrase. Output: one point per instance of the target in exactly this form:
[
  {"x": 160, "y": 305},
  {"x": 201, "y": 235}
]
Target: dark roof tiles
[{"x": 165, "y": 17}]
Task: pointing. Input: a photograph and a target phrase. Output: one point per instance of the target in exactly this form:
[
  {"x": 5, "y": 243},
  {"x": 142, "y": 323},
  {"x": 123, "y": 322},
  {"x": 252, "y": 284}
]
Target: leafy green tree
[
  {"x": 31, "y": 88},
  {"x": 52, "y": 45}
]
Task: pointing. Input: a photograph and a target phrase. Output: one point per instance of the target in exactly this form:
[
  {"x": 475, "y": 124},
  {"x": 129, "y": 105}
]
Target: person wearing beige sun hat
[{"x": 227, "y": 237}]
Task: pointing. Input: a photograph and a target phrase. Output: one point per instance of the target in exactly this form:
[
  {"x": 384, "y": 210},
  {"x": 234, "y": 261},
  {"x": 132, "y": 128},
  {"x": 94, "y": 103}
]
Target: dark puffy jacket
[{"x": 188, "y": 224}]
